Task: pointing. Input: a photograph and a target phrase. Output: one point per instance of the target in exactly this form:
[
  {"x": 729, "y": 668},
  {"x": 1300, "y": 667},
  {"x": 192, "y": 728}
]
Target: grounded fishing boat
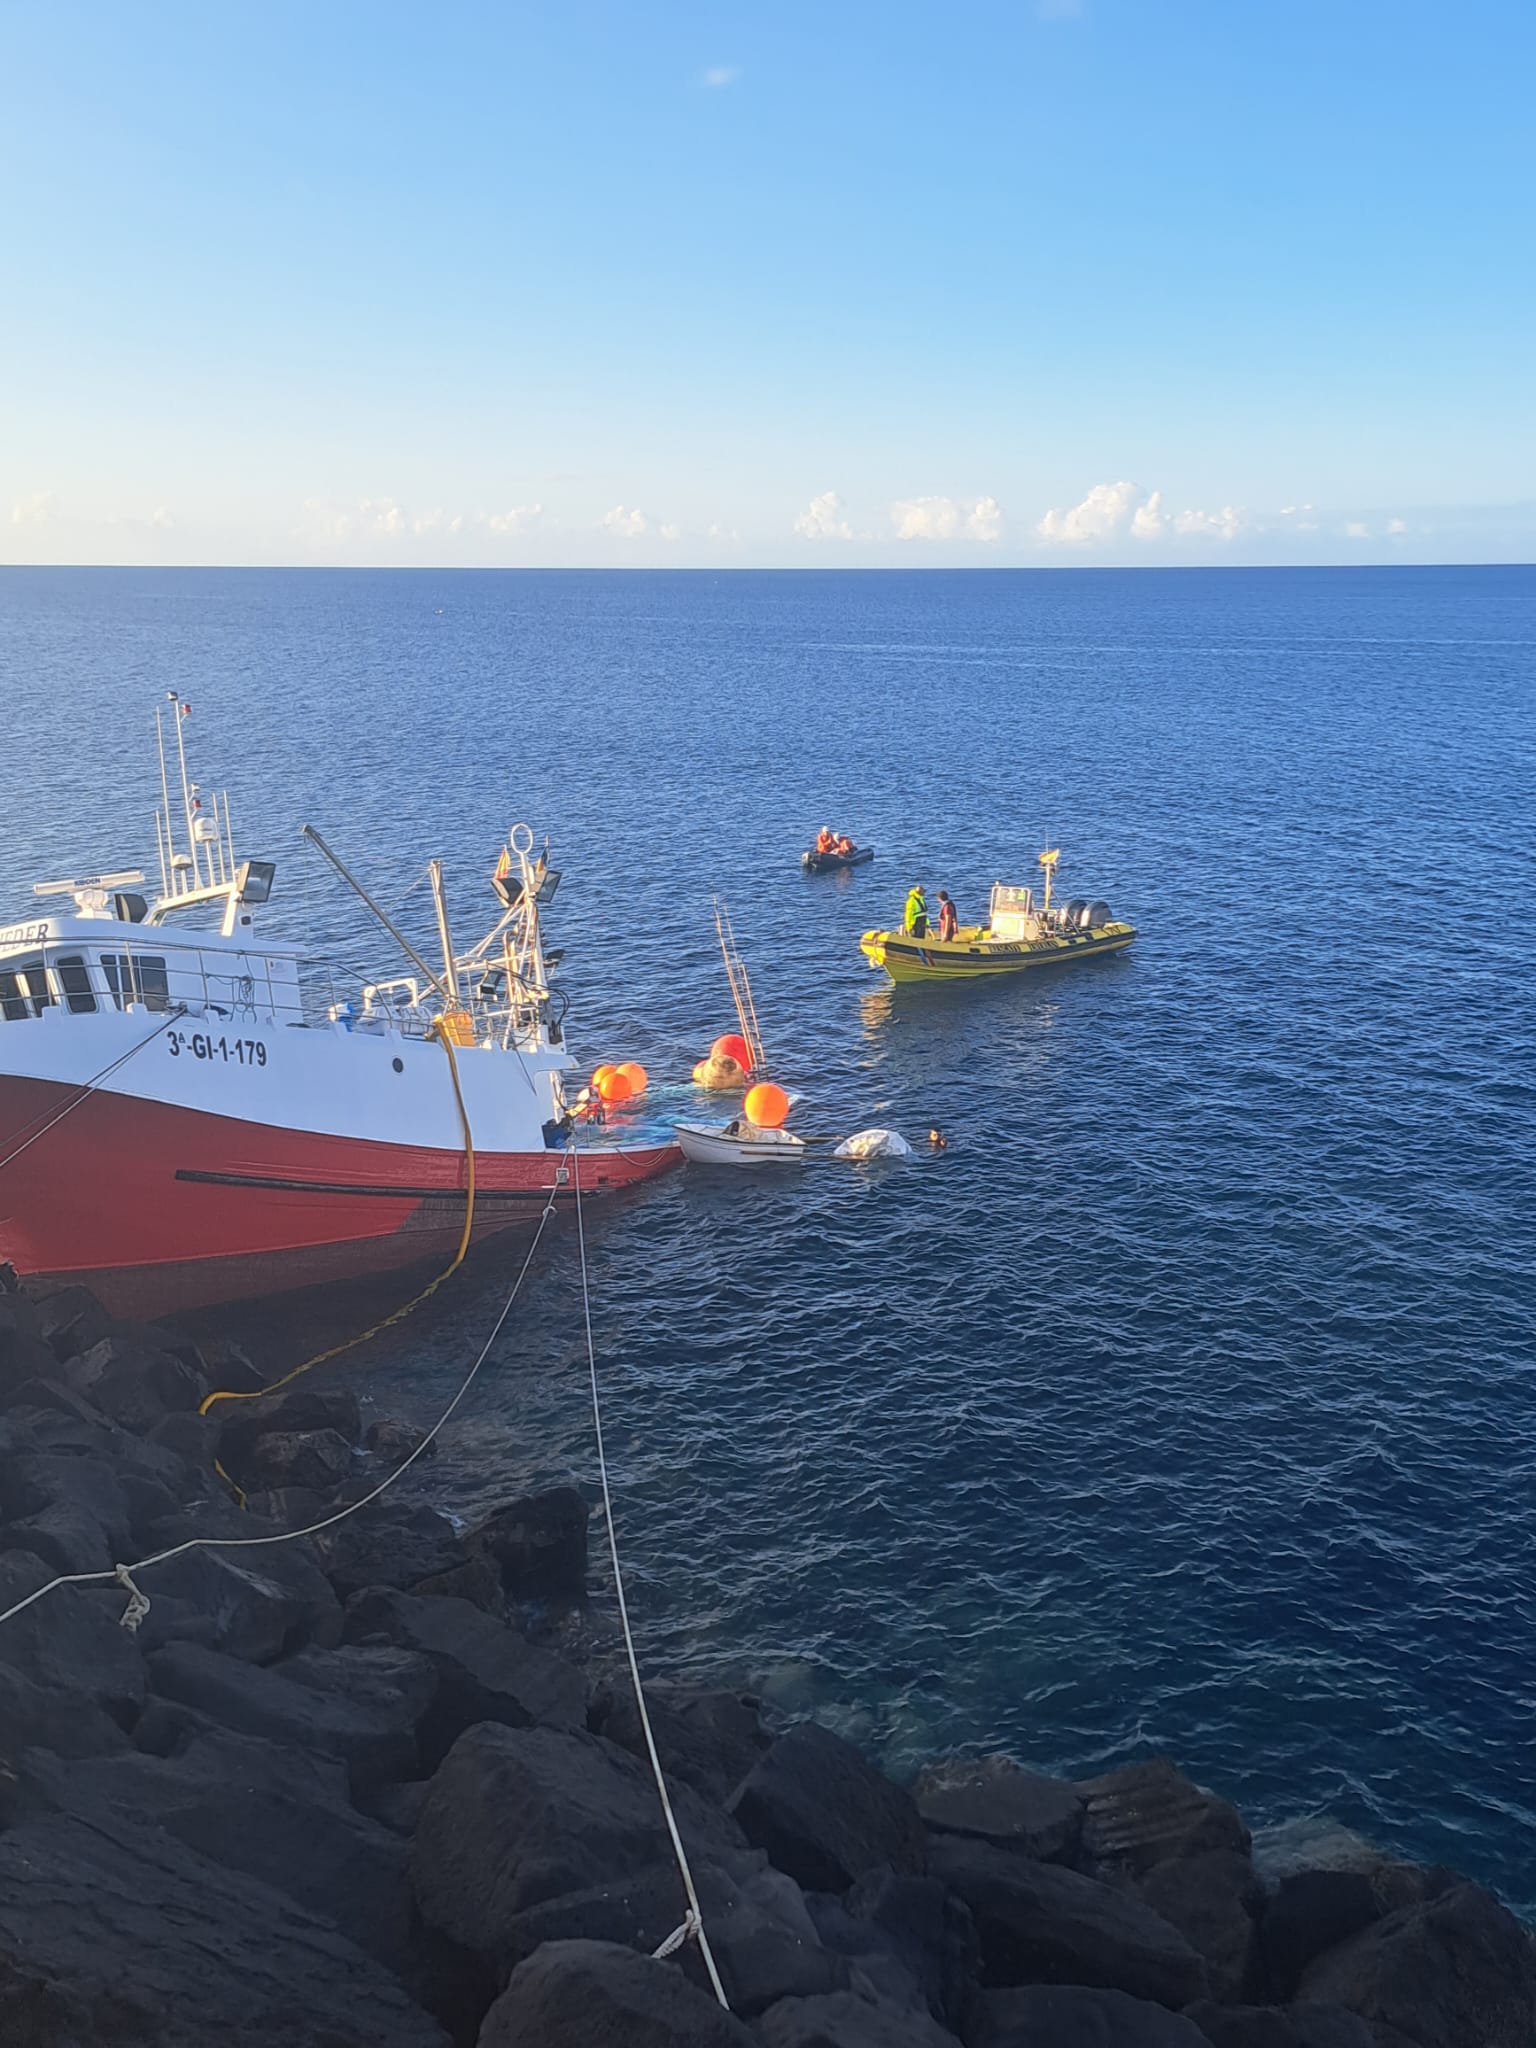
[
  {"x": 1018, "y": 934},
  {"x": 823, "y": 863},
  {"x": 740, "y": 1143},
  {"x": 191, "y": 1113}
]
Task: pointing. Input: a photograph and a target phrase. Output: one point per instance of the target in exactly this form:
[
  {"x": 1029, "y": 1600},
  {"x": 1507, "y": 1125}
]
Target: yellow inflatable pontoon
[{"x": 1018, "y": 934}]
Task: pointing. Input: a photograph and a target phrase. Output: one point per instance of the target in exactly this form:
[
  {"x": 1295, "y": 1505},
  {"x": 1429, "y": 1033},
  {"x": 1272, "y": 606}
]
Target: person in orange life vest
[
  {"x": 826, "y": 841},
  {"x": 844, "y": 845},
  {"x": 949, "y": 917}
]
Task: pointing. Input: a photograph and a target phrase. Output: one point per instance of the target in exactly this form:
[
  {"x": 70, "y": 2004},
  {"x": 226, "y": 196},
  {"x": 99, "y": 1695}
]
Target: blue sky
[{"x": 1116, "y": 281}]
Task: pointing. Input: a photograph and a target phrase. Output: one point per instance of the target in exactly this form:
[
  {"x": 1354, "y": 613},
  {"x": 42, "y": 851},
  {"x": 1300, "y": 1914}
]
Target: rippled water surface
[{"x": 1188, "y": 1400}]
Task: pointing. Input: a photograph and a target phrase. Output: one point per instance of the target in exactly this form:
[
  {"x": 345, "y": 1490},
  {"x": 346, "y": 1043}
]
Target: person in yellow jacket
[{"x": 916, "y": 919}]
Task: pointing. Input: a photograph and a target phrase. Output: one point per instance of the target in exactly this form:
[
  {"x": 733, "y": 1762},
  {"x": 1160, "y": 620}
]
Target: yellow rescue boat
[{"x": 1019, "y": 933}]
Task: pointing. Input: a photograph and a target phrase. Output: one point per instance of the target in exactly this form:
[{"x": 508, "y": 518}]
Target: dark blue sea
[{"x": 1187, "y": 1402}]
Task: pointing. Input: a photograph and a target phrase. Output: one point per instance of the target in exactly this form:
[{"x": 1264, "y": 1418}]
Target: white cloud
[
  {"x": 161, "y": 517},
  {"x": 1356, "y": 529},
  {"x": 671, "y": 532},
  {"x": 1302, "y": 517},
  {"x": 1101, "y": 516},
  {"x": 719, "y": 75},
  {"x": 1149, "y": 522},
  {"x": 518, "y": 520},
  {"x": 823, "y": 519},
  {"x": 626, "y": 524},
  {"x": 947, "y": 519},
  {"x": 1226, "y": 524},
  {"x": 984, "y": 521},
  {"x": 36, "y": 510},
  {"x": 437, "y": 521},
  {"x": 1397, "y": 526}
]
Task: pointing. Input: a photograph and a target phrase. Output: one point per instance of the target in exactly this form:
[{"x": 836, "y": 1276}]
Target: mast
[
  {"x": 186, "y": 799},
  {"x": 410, "y": 952},
  {"x": 165, "y": 810},
  {"x": 1048, "y": 862},
  {"x": 445, "y": 936}
]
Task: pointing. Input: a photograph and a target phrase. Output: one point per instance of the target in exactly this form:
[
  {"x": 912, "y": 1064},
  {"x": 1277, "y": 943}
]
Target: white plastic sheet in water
[{"x": 874, "y": 1144}]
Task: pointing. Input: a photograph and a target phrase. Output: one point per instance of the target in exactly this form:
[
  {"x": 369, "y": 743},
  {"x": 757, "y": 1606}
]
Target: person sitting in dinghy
[{"x": 826, "y": 840}]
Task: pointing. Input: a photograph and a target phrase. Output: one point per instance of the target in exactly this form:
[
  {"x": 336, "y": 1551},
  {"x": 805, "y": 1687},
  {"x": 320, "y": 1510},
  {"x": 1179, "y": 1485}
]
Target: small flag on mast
[{"x": 504, "y": 865}]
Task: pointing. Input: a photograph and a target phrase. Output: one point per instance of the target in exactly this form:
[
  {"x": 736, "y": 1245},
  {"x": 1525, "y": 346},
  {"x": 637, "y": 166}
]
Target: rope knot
[
  {"x": 138, "y": 1604},
  {"x": 689, "y": 1931}
]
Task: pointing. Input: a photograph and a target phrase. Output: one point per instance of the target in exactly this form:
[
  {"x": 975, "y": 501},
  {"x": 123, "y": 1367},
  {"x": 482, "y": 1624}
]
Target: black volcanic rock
[
  {"x": 1313, "y": 1911},
  {"x": 1455, "y": 1970},
  {"x": 539, "y": 1545},
  {"x": 519, "y": 1816},
  {"x": 112, "y": 1934},
  {"x": 929, "y": 1930},
  {"x": 71, "y": 1641},
  {"x": 764, "y": 1942},
  {"x": 279, "y": 1815},
  {"x": 825, "y": 1814},
  {"x": 710, "y": 1740},
  {"x": 1215, "y": 1901},
  {"x": 486, "y": 1671},
  {"x": 48, "y": 1717},
  {"x": 841, "y": 2020},
  {"x": 133, "y": 1384},
  {"x": 1269, "y": 2026},
  {"x": 1074, "y": 2016},
  {"x": 591, "y": 1994},
  {"x": 1001, "y": 1802},
  {"x": 1147, "y": 1813},
  {"x": 319, "y": 1459},
  {"x": 70, "y": 1321},
  {"x": 1039, "y": 1923},
  {"x": 387, "y": 1543},
  {"x": 325, "y": 1702},
  {"x": 306, "y": 1406}
]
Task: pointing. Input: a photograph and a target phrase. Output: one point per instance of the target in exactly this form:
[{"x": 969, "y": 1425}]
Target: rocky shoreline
[{"x": 360, "y": 1789}]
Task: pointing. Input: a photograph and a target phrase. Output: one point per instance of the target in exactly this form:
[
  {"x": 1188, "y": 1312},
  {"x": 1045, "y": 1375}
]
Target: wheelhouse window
[
  {"x": 24, "y": 990},
  {"x": 75, "y": 980},
  {"x": 137, "y": 978}
]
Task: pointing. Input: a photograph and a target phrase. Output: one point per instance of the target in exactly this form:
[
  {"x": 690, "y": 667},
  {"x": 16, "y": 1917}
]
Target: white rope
[
  {"x": 120, "y": 1574},
  {"x": 695, "y": 1912}
]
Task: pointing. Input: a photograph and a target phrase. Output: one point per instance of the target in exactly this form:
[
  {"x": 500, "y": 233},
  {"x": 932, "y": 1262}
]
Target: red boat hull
[{"x": 161, "y": 1209}]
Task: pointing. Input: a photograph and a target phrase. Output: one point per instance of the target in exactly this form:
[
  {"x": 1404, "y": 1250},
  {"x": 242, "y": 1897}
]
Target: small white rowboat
[{"x": 739, "y": 1143}]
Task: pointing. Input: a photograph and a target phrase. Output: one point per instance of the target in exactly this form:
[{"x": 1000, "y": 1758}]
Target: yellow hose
[{"x": 440, "y": 1032}]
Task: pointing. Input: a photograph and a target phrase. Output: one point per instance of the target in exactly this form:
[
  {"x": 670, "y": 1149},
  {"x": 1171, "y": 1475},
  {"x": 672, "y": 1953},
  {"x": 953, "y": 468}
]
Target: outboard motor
[
  {"x": 1095, "y": 915},
  {"x": 1071, "y": 912}
]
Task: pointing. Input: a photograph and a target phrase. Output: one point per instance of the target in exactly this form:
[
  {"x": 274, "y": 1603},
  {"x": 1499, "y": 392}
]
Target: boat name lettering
[
  {"x": 199, "y": 1045},
  {"x": 24, "y": 934}
]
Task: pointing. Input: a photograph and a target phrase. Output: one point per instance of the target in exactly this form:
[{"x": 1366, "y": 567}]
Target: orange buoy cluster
[{"x": 622, "y": 1083}]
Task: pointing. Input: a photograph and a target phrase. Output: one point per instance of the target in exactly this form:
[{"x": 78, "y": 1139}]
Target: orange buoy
[
  {"x": 615, "y": 1086},
  {"x": 766, "y": 1105},
  {"x": 733, "y": 1047},
  {"x": 636, "y": 1076},
  {"x": 600, "y": 1075}
]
